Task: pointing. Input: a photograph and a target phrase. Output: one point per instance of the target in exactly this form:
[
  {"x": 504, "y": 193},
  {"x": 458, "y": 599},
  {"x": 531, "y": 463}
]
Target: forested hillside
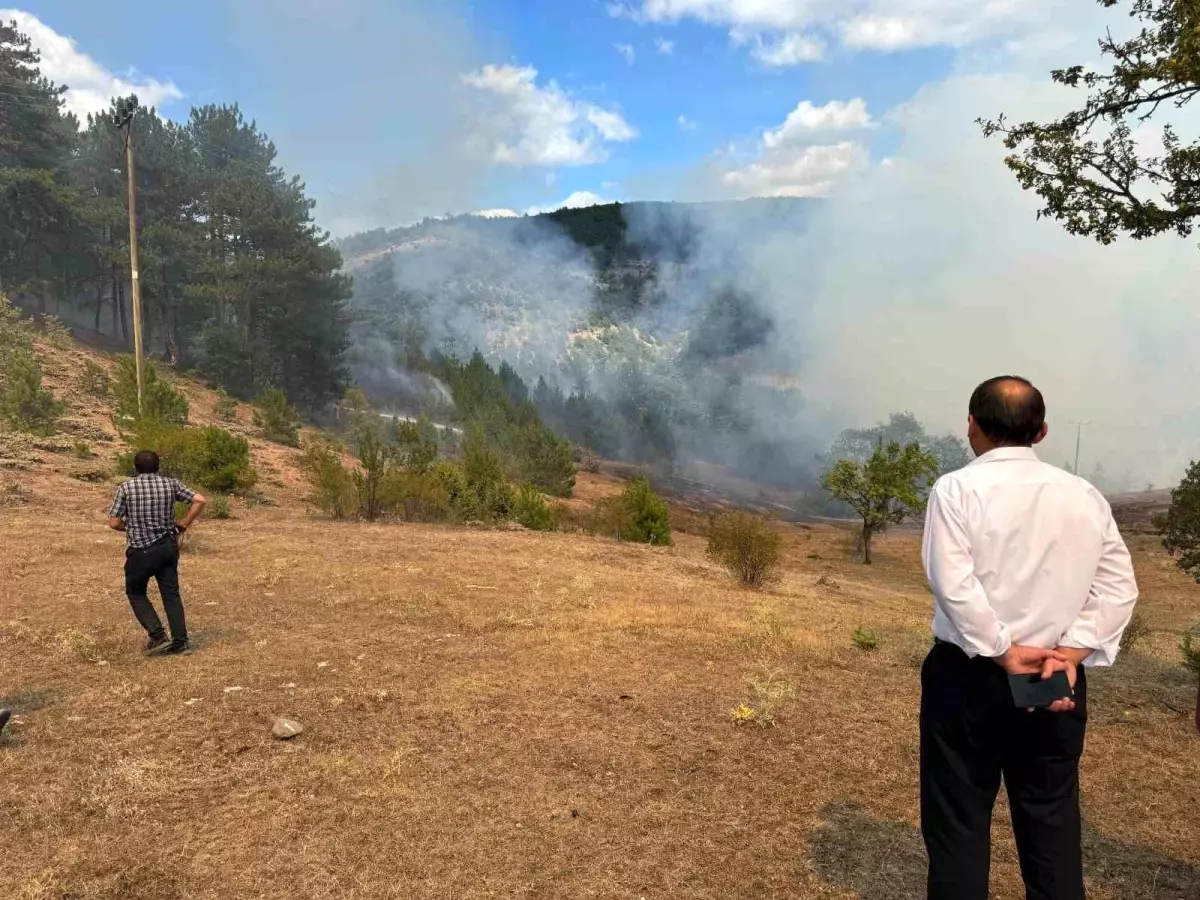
[{"x": 237, "y": 280}]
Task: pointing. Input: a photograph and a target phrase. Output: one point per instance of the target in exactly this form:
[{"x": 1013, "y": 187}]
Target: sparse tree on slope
[
  {"x": 1092, "y": 167},
  {"x": 1181, "y": 527},
  {"x": 886, "y": 489}
]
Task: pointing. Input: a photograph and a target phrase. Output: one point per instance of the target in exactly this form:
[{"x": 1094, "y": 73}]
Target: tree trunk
[
  {"x": 868, "y": 533},
  {"x": 113, "y": 298},
  {"x": 124, "y": 317},
  {"x": 99, "y": 304},
  {"x": 167, "y": 313}
]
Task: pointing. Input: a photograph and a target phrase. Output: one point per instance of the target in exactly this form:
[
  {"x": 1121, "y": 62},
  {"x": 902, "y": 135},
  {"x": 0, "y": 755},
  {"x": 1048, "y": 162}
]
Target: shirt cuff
[
  {"x": 1099, "y": 657},
  {"x": 997, "y": 648}
]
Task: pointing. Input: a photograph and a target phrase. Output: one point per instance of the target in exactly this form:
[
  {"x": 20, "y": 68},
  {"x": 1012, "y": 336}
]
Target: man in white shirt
[{"x": 1029, "y": 574}]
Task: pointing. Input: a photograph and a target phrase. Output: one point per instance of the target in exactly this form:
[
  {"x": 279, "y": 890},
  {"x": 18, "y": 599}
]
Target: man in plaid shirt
[{"x": 144, "y": 509}]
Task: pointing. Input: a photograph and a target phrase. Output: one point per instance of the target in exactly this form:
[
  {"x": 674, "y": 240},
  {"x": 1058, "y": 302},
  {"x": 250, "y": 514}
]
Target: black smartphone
[{"x": 1030, "y": 691}]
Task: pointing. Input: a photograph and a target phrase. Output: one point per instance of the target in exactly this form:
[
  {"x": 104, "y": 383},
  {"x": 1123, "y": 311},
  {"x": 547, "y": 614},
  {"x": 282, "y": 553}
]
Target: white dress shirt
[{"x": 1021, "y": 552}]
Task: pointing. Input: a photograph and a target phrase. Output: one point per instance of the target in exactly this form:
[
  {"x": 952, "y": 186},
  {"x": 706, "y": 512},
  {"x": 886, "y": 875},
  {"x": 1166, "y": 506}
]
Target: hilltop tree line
[{"x": 237, "y": 281}]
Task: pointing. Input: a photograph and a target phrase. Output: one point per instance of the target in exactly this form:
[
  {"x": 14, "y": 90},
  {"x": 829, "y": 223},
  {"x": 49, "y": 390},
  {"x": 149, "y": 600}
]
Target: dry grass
[{"x": 500, "y": 714}]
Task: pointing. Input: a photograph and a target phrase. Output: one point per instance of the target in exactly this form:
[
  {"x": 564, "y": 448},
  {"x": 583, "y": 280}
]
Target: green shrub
[
  {"x": 1190, "y": 645},
  {"x": 277, "y": 418},
  {"x": 209, "y": 459},
  {"x": 80, "y": 450},
  {"x": 332, "y": 483},
  {"x": 866, "y": 639},
  {"x": 160, "y": 401},
  {"x": 416, "y": 445},
  {"x": 375, "y": 460},
  {"x": 95, "y": 380},
  {"x": 218, "y": 507},
  {"x": 415, "y": 497},
  {"x": 1135, "y": 631},
  {"x": 226, "y": 408},
  {"x": 531, "y": 510},
  {"x": 488, "y": 496},
  {"x": 746, "y": 546},
  {"x": 642, "y": 516},
  {"x": 24, "y": 403},
  {"x": 543, "y": 460}
]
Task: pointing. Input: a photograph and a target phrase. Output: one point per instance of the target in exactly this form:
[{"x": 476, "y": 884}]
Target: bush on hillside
[
  {"x": 161, "y": 402},
  {"x": 226, "y": 408},
  {"x": 96, "y": 381},
  {"x": 745, "y": 545},
  {"x": 543, "y": 460},
  {"x": 415, "y": 497},
  {"x": 642, "y": 516},
  {"x": 531, "y": 510},
  {"x": 374, "y": 461},
  {"x": 24, "y": 403},
  {"x": 488, "y": 496},
  {"x": 1137, "y": 629},
  {"x": 866, "y": 639},
  {"x": 1190, "y": 645},
  {"x": 332, "y": 483},
  {"x": 277, "y": 418},
  {"x": 416, "y": 445},
  {"x": 209, "y": 459}
]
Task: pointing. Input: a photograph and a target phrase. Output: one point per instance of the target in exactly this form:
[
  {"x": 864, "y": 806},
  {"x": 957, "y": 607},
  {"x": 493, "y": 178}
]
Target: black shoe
[
  {"x": 157, "y": 645},
  {"x": 177, "y": 648},
  {"x": 5, "y": 715}
]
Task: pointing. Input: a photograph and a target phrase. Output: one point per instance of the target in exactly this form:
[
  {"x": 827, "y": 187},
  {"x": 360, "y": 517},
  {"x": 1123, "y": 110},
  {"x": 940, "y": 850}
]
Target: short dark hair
[
  {"x": 146, "y": 462},
  {"x": 1009, "y": 410}
]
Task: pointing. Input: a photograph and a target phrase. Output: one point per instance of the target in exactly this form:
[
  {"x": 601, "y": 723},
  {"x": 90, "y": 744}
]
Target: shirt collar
[{"x": 1005, "y": 454}]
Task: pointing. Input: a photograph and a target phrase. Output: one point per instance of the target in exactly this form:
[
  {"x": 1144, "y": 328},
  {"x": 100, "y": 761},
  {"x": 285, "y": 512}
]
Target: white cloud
[
  {"x": 883, "y": 25},
  {"x": 686, "y": 124},
  {"x": 520, "y": 123},
  {"x": 788, "y": 49},
  {"x": 797, "y": 171},
  {"x": 807, "y": 119},
  {"x": 627, "y": 52},
  {"x": 497, "y": 214},
  {"x": 91, "y": 86},
  {"x": 798, "y": 159},
  {"x": 577, "y": 200},
  {"x": 664, "y": 47}
]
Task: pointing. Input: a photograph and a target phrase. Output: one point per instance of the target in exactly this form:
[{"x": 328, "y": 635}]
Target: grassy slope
[{"x": 504, "y": 714}]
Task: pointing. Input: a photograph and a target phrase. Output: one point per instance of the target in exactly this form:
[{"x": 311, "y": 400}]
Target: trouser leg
[
  {"x": 168, "y": 585},
  {"x": 138, "y": 570},
  {"x": 960, "y": 773},
  {"x": 1041, "y": 775}
]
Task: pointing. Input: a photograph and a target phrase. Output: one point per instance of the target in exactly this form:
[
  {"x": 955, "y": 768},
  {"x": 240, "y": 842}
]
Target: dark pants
[
  {"x": 971, "y": 734},
  {"x": 160, "y": 562}
]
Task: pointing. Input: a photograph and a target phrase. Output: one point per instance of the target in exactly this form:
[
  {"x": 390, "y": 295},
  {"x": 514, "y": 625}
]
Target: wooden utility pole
[
  {"x": 124, "y": 120},
  {"x": 1078, "y": 437}
]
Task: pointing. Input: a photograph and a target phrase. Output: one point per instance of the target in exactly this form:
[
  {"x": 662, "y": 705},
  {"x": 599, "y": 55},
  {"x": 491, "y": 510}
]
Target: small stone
[{"x": 285, "y": 729}]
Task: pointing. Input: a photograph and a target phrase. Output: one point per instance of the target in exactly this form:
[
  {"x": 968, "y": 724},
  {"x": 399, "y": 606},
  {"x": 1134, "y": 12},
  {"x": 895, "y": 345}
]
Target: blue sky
[{"x": 354, "y": 91}]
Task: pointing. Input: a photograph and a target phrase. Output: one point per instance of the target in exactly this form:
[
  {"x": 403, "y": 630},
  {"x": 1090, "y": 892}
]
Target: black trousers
[
  {"x": 160, "y": 562},
  {"x": 971, "y": 734}
]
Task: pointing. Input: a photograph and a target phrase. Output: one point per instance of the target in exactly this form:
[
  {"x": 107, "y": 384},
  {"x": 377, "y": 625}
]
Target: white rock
[{"x": 285, "y": 729}]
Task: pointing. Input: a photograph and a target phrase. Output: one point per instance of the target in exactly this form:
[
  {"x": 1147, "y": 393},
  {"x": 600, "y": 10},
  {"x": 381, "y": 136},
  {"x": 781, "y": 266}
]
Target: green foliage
[
  {"x": 80, "y": 450},
  {"x": 1181, "y": 525},
  {"x": 1091, "y": 167},
  {"x": 866, "y": 639},
  {"x": 226, "y": 408},
  {"x": 415, "y": 496},
  {"x": 889, "y": 487},
  {"x": 24, "y": 403},
  {"x": 531, "y": 510},
  {"x": 642, "y": 516},
  {"x": 858, "y": 444},
  {"x": 332, "y": 484},
  {"x": 544, "y": 460},
  {"x": 416, "y": 445},
  {"x": 161, "y": 402},
  {"x": 488, "y": 496},
  {"x": 277, "y": 418},
  {"x": 745, "y": 545},
  {"x": 210, "y": 459},
  {"x": 218, "y": 507},
  {"x": 1189, "y": 644},
  {"x": 96, "y": 381},
  {"x": 374, "y": 460}
]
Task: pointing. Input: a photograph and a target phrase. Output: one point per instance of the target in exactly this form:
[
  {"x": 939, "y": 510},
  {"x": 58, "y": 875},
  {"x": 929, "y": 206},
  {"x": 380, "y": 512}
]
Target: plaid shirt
[{"x": 147, "y": 504}]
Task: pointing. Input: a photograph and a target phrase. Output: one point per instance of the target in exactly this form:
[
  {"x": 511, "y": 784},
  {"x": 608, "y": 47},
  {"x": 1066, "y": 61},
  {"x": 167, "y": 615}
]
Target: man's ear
[{"x": 1041, "y": 435}]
